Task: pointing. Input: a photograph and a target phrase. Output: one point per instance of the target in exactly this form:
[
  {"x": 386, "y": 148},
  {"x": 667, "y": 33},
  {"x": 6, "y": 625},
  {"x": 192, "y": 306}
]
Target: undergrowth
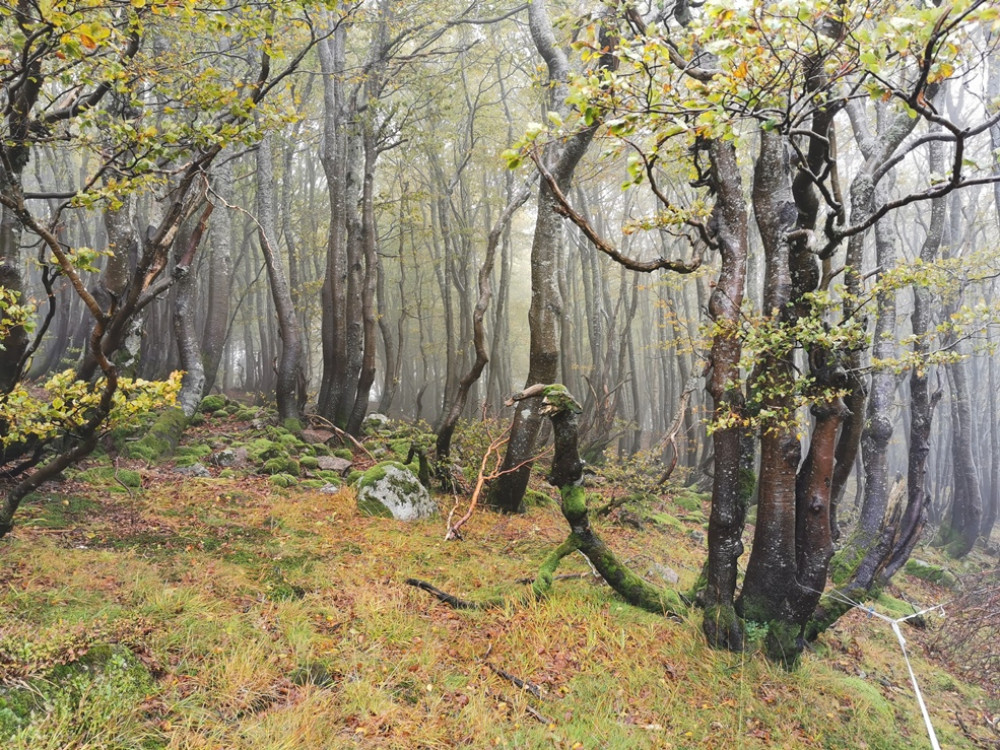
[{"x": 227, "y": 613}]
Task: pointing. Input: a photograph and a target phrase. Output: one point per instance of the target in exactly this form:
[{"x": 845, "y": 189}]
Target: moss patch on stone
[
  {"x": 211, "y": 404},
  {"x": 281, "y": 465},
  {"x": 283, "y": 480},
  {"x": 929, "y": 572},
  {"x": 161, "y": 439}
]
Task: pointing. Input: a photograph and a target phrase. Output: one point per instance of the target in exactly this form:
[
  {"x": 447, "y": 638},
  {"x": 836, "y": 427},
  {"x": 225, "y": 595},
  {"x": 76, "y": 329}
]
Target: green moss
[
  {"x": 212, "y": 404},
  {"x": 929, "y": 572},
  {"x": 99, "y": 695},
  {"x": 262, "y": 449},
  {"x": 344, "y": 453},
  {"x": 281, "y": 465},
  {"x": 109, "y": 476},
  {"x": 354, "y": 476},
  {"x": 197, "y": 419},
  {"x": 309, "y": 462},
  {"x": 536, "y": 499},
  {"x": 723, "y": 628},
  {"x": 162, "y": 437},
  {"x": 283, "y": 480},
  {"x": 868, "y": 700},
  {"x": 782, "y": 645},
  {"x": 245, "y": 415},
  {"x": 59, "y": 512},
  {"x": 312, "y": 484},
  {"x": 220, "y": 414},
  {"x": 232, "y": 407},
  {"x": 400, "y": 447},
  {"x": 331, "y": 476},
  {"x": 665, "y": 519},
  {"x": 199, "y": 450},
  {"x": 893, "y": 607},
  {"x": 228, "y": 474},
  {"x": 292, "y": 425},
  {"x": 689, "y": 501},
  {"x": 844, "y": 563}
]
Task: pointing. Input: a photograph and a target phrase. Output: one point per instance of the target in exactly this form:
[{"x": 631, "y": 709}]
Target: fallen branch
[
  {"x": 482, "y": 478},
  {"x": 516, "y": 681},
  {"x": 342, "y": 435}
]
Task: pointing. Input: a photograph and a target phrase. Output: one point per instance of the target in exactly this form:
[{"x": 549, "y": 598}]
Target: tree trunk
[
  {"x": 289, "y": 368},
  {"x": 544, "y": 315}
]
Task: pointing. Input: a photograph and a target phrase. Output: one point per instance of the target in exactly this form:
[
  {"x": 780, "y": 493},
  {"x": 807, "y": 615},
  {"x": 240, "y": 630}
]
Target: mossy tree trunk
[
  {"x": 545, "y": 312},
  {"x": 558, "y": 404}
]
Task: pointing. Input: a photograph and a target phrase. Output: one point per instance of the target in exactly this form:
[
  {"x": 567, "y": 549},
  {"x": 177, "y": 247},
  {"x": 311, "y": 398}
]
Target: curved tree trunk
[
  {"x": 289, "y": 369},
  {"x": 545, "y": 313}
]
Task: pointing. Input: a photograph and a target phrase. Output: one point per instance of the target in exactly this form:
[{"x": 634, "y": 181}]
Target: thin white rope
[{"x": 894, "y": 623}]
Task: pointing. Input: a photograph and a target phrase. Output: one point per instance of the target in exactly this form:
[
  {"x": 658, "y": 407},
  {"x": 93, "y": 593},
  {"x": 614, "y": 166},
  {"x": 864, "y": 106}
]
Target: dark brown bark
[
  {"x": 729, "y": 486},
  {"x": 771, "y": 569}
]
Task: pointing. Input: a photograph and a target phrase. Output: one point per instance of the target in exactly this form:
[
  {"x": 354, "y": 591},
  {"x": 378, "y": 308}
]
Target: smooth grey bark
[
  {"x": 220, "y": 275},
  {"x": 545, "y": 312},
  {"x": 289, "y": 375},
  {"x": 459, "y": 399},
  {"x": 185, "y": 306},
  {"x": 866, "y": 194}
]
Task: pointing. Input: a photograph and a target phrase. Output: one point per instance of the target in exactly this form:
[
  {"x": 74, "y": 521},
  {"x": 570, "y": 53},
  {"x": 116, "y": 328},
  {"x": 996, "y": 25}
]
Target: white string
[{"x": 834, "y": 594}]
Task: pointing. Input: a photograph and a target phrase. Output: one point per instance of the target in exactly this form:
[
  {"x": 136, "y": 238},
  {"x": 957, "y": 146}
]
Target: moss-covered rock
[
  {"x": 929, "y": 572},
  {"x": 283, "y": 480},
  {"x": 391, "y": 490},
  {"x": 161, "y": 439},
  {"x": 197, "y": 419},
  {"x": 344, "y": 453},
  {"x": 354, "y": 476},
  {"x": 262, "y": 449},
  {"x": 245, "y": 415},
  {"x": 281, "y": 465},
  {"x": 212, "y": 403},
  {"x": 312, "y": 484},
  {"x": 109, "y": 476},
  {"x": 293, "y": 426},
  {"x": 309, "y": 462},
  {"x": 536, "y": 499}
]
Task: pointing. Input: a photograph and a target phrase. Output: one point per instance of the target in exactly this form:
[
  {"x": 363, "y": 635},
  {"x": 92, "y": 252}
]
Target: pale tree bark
[
  {"x": 458, "y": 401},
  {"x": 545, "y": 312},
  {"x": 289, "y": 373},
  {"x": 220, "y": 275},
  {"x": 185, "y": 306}
]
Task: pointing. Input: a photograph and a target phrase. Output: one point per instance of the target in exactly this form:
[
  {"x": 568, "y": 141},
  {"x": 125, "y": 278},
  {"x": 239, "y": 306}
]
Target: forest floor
[{"x": 226, "y": 612}]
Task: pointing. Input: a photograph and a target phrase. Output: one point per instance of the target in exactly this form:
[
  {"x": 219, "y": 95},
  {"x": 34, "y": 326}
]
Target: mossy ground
[{"x": 278, "y": 618}]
